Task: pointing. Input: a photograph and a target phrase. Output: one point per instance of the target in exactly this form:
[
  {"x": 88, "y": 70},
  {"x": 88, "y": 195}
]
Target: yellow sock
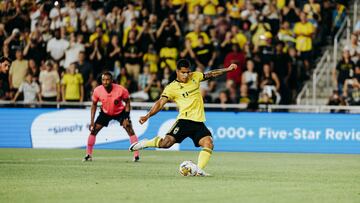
[
  {"x": 153, "y": 142},
  {"x": 204, "y": 157}
]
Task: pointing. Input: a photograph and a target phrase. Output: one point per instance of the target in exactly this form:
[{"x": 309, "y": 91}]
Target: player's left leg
[
  {"x": 204, "y": 156},
  {"x": 126, "y": 123}
]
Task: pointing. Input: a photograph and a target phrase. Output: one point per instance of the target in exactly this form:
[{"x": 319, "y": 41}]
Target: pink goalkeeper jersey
[{"x": 111, "y": 103}]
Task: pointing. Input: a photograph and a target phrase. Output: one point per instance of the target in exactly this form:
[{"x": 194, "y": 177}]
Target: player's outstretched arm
[
  {"x": 217, "y": 72},
  {"x": 159, "y": 104}
]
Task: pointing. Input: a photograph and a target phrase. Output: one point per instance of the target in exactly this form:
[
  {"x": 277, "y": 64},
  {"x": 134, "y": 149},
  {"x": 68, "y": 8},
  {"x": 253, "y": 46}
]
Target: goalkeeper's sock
[
  {"x": 90, "y": 144},
  {"x": 153, "y": 142},
  {"x": 133, "y": 139},
  {"x": 204, "y": 157}
]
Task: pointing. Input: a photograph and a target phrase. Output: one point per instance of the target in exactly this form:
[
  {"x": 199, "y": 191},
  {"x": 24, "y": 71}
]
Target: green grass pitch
[{"x": 39, "y": 175}]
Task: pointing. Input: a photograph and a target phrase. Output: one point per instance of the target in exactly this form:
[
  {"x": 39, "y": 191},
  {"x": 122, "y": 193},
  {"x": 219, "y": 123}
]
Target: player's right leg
[
  {"x": 156, "y": 142},
  {"x": 91, "y": 142},
  {"x": 101, "y": 121}
]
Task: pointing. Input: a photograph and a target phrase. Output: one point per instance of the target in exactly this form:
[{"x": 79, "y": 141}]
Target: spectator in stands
[
  {"x": 88, "y": 16},
  {"x": 56, "y": 47},
  {"x": 34, "y": 70},
  {"x": 125, "y": 80},
  {"x": 133, "y": 55},
  {"x": 96, "y": 55},
  {"x": 354, "y": 47},
  {"x": 238, "y": 58},
  {"x": 286, "y": 35},
  {"x": 234, "y": 8},
  {"x": 169, "y": 28},
  {"x": 168, "y": 55},
  {"x": 167, "y": 76},
  {"x": 75, "y": 47},
  {"x": 290, "y": 13},
  {"x": 206, "y": 97},
  {"x": 146, "y": 36},
  {"x": 194, "y": 36},
  {"x": 272, "y": 16},
  {"x": 205, "y": 55},
  {"x": 343, "y": 70},
  {"x": 153, "y": 88},
  {"x": 129, "y": 14},
  {"x": 336, "y": 100},
  {"x": 209, "y": 7},
  {"x": 339, "y": 14},
  {"x": 250, "y": 79},
  {"x": 4, "y": 78},
  {"x": 14, "y": 42},
  {"x": 258, "y": 29},
  {"x": 101, "y": 36},
  {"x": 270, "y": 85},
  {"x": 304, "y": 32},
  {"x": 72, "y": 85},
  {"x": 244, "y": 97},
  {"x": 17, "y": 72},
  {"x": 30, "y": 90},
  {"x": 234, "y": 36},
  {"x": 232, "y": 92},
  {"x": 113, "y": 53},
  {"x": 283, "y": 70},
  {"x": 313, "y": 10},
  {"x": 297, "y": 72},
  {"x": 35, "y": 48},
  {"x": 194, "y": 17},
  {"x": 134, "y": 28},
  {"x": 151, "y": 58},
  {"x": 223, "y": 99},
  {"x": 188, "y": 52},
  {"x": 351, "y": 91},
  {"x": 86, "y": 71},
  {"x": 50, "y": 83}
]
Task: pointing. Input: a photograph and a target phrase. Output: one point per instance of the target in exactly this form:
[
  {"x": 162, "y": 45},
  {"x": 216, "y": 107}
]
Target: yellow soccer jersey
[{"x": 187, "y": 97}]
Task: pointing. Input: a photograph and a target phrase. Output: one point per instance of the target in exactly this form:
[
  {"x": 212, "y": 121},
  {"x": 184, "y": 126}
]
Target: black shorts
[
  {"x": 104, "y": 119},
  {"x": 187, "y": 128},
  {"x": 306, "y": 55}
]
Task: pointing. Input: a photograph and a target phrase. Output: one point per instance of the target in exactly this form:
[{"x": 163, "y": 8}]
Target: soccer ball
[{"x": 188, "y": 168}]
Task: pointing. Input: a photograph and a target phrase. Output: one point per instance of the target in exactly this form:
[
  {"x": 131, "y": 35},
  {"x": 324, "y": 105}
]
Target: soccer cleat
[
  {"x": 136, "y": 146},
  {"x": 202, "y": 173},
  {"x": 87, "y": 158},
  {"x": 136, "y": 158}
]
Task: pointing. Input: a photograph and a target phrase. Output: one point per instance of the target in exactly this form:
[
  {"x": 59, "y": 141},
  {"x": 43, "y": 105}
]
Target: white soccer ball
[{"x": 188, "y": 168}]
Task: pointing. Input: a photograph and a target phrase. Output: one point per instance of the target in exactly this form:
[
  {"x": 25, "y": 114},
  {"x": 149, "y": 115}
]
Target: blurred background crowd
[{"x": 59, "y": 48}]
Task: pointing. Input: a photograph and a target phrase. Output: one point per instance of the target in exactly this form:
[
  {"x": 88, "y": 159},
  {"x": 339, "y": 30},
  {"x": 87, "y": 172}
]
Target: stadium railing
[{"x": 208, "y": 106}]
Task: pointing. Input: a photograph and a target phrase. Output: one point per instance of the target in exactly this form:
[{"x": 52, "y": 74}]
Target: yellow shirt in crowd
[
  {"x": 152, "y": 60},
  {"x": 209, "y": 6},
  {"x": 194, "y": 38},
  {"x": 72, "y": 84},
  {"x": 170, "y": 54},
  {"x": 303, "y": 33}
]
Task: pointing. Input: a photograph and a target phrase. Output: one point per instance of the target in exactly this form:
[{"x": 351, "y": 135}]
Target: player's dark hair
[
  {"x": 107, "y": 73},
  {"x": 3, "y": 59},
  {"x": 182, "y": 63}
]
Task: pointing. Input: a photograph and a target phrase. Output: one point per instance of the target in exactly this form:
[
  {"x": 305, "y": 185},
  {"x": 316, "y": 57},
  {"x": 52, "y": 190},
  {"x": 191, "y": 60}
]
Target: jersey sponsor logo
[
  {"x": 186, "y": 94},
  {"x": 176, "y": 130}
]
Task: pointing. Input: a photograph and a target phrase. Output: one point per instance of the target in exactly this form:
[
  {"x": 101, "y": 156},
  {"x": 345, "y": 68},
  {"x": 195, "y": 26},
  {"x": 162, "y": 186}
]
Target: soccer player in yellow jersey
[{"x": 185, "y": 92}]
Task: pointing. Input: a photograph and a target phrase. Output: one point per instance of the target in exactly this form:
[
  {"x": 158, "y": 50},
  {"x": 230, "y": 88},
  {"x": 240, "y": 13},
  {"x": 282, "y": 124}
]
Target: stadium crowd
[
  {"x": 59, "y": 48},
  {"x": 346, "y": 74}
]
